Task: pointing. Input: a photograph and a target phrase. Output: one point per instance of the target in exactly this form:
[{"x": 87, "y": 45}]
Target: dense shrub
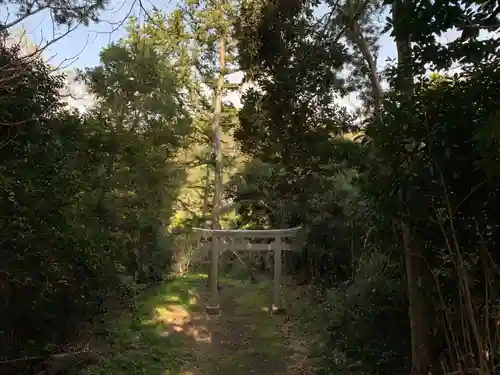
[
  {"x": 367, "y": 330},
  {"x": 83, "y": 210}
]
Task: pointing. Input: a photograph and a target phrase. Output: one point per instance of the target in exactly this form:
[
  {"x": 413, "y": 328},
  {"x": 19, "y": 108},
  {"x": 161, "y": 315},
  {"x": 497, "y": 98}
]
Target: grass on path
[{"x": 169, "y": 334}]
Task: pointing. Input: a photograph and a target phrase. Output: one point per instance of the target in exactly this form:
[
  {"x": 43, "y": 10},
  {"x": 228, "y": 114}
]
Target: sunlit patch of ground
[
  {"x": 160, "y": 337},
  {"x": 170, "y": 334}
]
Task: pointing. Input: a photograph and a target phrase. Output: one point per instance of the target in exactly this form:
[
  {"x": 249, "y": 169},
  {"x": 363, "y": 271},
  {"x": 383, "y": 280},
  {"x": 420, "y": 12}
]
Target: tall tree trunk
[
  {"x": 419, "y": 309},
  {"x": 204, "y": 208},
  {"x": 217, "y": 136},
  {"x": 358, "y": 39},
  {"x": 417, "y": 271},
  {"x": 204, "y": 211},
  {"x": 218, "y": 152}
]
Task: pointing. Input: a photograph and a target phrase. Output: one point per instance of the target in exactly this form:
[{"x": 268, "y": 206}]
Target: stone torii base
[{"x": 246, "y": 240}]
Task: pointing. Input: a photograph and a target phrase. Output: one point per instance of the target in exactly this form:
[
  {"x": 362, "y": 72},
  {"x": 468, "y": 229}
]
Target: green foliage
[{"x": 85, "y": 199}]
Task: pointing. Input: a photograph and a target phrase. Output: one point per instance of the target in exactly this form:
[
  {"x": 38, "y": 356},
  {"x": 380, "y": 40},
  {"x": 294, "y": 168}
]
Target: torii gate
[{"x": 244, "y": 240}]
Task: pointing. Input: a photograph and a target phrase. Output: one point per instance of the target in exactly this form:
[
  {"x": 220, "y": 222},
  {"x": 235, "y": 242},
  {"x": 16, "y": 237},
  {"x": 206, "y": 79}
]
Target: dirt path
[
  {"x": 171, "y": 335},
  {"x": 246, "y": 339}
]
